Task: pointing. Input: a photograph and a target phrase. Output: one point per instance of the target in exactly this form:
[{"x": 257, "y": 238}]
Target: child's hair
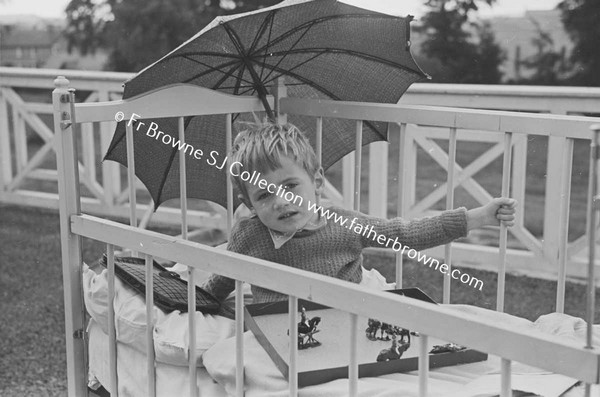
[{"x": 260, "y": 146}]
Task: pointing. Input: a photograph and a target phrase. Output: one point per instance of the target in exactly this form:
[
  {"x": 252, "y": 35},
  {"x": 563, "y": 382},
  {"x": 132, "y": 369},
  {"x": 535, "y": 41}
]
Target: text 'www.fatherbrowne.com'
[{"x": 385, "y": 242}]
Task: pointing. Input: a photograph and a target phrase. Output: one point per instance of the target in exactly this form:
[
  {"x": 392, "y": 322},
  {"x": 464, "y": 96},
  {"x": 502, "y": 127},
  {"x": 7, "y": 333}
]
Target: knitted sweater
[{"x": 336, "y": 249}]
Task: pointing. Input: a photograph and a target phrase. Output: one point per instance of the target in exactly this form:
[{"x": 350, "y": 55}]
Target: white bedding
[
  {"x": 170, "y": 330},
  {"x": 477, "y": 379},
  {"x": 216, "y": 352},
  {"x": 171, "y": 380}
]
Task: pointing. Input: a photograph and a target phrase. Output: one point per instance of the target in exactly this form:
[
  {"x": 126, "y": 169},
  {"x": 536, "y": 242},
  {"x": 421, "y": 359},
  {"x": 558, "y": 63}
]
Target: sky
[{"x": 55, "y": 8}]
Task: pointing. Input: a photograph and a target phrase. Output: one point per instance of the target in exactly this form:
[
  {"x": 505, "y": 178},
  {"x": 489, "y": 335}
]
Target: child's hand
[{"x": 498, "y": 210}]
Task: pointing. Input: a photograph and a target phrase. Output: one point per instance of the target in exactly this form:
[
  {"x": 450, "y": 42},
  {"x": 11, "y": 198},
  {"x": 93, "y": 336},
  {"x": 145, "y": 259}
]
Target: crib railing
[{"x": 578, "y": 361}]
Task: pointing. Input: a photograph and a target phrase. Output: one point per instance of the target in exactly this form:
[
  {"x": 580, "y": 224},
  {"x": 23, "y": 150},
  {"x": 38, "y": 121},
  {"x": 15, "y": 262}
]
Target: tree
[
  {"x": 85, "y": 23},
  {"x": 547, "y": 64},
  {"x": 450, "y": 48},
  {"x": 139, "y": 32},
  {"x": 580, "y": 18}
]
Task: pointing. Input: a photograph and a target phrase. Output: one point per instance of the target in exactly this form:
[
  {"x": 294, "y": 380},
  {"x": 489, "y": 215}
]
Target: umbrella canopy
[{"x": 321, "y": 49}]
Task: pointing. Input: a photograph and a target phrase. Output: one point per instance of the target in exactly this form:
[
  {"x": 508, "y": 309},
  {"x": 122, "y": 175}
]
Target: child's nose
[{"x": 280, "y": 202}]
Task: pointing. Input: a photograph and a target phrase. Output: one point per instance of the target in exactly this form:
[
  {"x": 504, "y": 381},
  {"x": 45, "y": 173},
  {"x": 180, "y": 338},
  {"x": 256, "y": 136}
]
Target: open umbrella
[{"x": 321, "y": 49}]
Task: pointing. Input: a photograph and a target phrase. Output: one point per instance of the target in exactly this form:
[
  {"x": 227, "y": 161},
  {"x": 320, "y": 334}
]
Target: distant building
[
  {"x": 33, "y": 42},
  {"x": 28, "y": 48}
]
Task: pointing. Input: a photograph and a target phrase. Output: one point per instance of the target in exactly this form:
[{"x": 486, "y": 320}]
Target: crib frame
[{"x": 578, "y": 361}]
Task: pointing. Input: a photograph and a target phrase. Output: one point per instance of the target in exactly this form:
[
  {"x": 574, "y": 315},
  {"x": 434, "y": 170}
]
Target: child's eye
[
  {"x": 264, "y": 195},
  {"x": 290, "y": 186}
]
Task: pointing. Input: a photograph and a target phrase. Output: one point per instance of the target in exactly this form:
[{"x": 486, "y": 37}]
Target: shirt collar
[{"x": 280, "y": 238}]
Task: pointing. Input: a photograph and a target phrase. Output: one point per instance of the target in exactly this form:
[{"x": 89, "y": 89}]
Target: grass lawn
[{"x": 32, "y": 350}]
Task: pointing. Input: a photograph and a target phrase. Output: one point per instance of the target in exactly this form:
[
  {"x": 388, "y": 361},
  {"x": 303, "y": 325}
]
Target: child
[{"x": 276, "y": 171}]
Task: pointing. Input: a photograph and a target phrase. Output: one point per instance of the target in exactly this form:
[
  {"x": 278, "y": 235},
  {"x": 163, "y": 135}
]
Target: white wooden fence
[{"x": 105, "y": 185}]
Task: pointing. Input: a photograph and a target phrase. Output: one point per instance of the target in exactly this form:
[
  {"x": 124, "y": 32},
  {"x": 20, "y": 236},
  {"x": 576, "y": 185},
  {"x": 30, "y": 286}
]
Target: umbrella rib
[
  {"x": 227, "y": 75},
  {"x": 211, "y": 69},
  {"x": 186, "y": 122},
  {"x": 322, "y": 51},
  {"x": 288, "y": 70},
  {"x": 268, "y": 21},
  {"x": 260, "y": 88},
  {"x": 251, "y": 88},
  {"x": 203, "y": 53},
  {"x": 287, "y": 52},
  {"x": 262, "y": 69},
  {"x": 238, "y": 81},
  {"x": 307, "y": 82},
  {"x": 331, "y": 95}
]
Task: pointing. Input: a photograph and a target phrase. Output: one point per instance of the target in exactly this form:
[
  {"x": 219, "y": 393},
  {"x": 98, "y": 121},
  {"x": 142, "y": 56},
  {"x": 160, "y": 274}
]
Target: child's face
[{"x": 273, "y": 210}]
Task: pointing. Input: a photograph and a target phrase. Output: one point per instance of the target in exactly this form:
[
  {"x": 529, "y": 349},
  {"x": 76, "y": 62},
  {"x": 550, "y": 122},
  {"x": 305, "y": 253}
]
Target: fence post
[
  {"x": 378, "y": 179},
  {"x": 552, "y": 200},
  {"x": 69, "y": 204},
  {"x": 5, "y": 155}
]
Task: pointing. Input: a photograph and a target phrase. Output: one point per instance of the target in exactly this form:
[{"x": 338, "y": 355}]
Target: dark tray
[{"x": 317, "y": 366}]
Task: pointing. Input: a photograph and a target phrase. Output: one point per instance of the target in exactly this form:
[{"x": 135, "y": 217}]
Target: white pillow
[{"x": 171, "y": 336}]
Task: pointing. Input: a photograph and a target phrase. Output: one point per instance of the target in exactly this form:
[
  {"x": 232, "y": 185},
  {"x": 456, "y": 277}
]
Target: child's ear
[{"x": 319, "y": 181}]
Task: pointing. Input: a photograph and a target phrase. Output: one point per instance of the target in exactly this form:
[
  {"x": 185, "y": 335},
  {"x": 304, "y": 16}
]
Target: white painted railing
[
  {"x": 577, "y": 361},
  {"x": 105, "y": 185}
]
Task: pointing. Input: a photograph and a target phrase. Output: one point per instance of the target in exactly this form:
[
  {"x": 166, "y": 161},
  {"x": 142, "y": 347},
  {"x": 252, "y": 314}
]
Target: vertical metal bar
[
  {"x": 228, "y": 143},
  {"x": 353, "y": 366},
  {"x": 505, "y": 383},
  {"x": 111, "y": 180},
  {"x": 519, "y": 176},
  {"x": 150, "y": 326},
  {"x": 182, "y": 181},
  {"x": 239, "y": 293},
  {"x": 592, "y": 210},
  {"x": 293, "y": 327},
  {"x": 89, "y": 155},
  {"x": 69, "y": 204},
  {"x": 423, "y": 365},
  {"x": 239, "y": 339},
  {"x": 410, "y": 154},
  {"x": 449, "y": 206},
  {"x": 112, "y": 332},
  {"x": 400, "y": 199},
  {"x": 192, "y": 362},
  {"x": 565, "y": 200},
  {"x": 503, "y": 230},
  {"x": 319, "y": 146},
  {"x": 131, "y": 175},
  {"x": 191, "y": 291},
  {"x": 348, "y": 180},
  {"x": 357, "y": 164},
  {"x": 319, "y": 143}
]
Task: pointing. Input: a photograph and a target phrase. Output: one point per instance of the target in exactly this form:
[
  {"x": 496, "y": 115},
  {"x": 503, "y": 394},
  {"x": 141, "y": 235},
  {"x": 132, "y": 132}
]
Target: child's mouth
[{"x": 287, "y": 215}]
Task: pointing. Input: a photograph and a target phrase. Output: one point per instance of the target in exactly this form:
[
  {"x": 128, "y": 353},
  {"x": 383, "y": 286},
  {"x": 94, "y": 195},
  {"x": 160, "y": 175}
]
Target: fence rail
[{"x": 25, "y": 111}]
